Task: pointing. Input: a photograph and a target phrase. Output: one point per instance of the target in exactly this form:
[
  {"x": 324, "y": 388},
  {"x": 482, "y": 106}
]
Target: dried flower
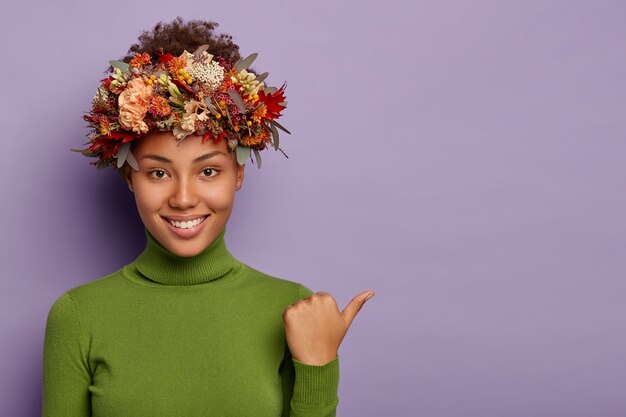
[
  {"x": 259, "y": 113},
  {"x": 256, "y": 139},
  {"x": 139, "y": 60},
  {"x": 133, "y": 104},
  {"x": 247, "y": 82},
  {"x": 205, "y": 70},
  {"x": 188, "y": 94},
  {"x": 159, "y": 107}
]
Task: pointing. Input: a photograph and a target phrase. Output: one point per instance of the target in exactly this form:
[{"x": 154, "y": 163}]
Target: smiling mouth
[{"x": 186, "y": 224}]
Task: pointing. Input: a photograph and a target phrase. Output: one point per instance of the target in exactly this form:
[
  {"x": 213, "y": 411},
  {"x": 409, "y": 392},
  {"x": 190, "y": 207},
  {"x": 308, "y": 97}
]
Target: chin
[
  {"x": 187, "y": 246},
  {"x": 187, "y": 250}
]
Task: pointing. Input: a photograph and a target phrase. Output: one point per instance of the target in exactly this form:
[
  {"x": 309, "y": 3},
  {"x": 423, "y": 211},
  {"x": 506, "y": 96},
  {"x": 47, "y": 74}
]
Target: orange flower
[
  {"x": 176, "y": 64},
  {"x": 105, "y": 126},
  {"x": 259, "y": 113},
  {"x": 140, "y": 59},
  {"x": 256, "y": 139},
  {"x": 133, "y": 104},
  {"x": 160, "y": 107}
]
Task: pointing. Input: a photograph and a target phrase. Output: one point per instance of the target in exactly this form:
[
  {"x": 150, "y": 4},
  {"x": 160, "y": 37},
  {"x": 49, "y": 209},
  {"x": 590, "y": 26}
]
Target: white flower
[
  {"x": 180, "y": 133},
  {"x": 194, "y": 111},
  {"x": 204, "y": 69}
]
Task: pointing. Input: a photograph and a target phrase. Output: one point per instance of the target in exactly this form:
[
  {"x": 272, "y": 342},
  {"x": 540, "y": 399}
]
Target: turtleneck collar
[{"x": 159, "y": 264}]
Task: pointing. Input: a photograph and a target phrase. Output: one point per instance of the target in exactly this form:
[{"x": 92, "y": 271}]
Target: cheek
[
  {"x": 219, "y": 198},
  {"x": 146, "y": 198}
]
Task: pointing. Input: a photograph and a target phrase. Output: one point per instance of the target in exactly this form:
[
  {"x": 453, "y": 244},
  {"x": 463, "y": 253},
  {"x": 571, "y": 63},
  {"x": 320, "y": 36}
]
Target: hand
[{"x": 314, "y": 327}]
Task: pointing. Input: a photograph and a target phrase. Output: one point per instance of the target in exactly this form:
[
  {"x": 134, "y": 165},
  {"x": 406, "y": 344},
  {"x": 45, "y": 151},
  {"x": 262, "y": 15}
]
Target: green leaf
[
  {"x": 263, "y": 76},
  {"x": 278, "y": 125},
  {"x": 121, "y": 154},
  {"x": 228, "y": 115},
  {"x": 210, "y": 105},
  {"x": 245, "y": 63},
  {"x": 274, "y": 135},
  {"x": 132, "y": 161},
  {"x": 283, "y": 152},
  {"x": 238, "y": 101},
  {"x": 257, "y": 156},
  {"x": 243, "y": 153},
  {"x": 85, "y": 152},
  {"x": 122, "y": 66},
  {"x": 270, "y": 90},
  {"x": 200, "y": 49}
]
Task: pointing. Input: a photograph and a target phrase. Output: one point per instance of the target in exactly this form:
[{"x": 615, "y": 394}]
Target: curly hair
[{"x": 176, "y": 36}]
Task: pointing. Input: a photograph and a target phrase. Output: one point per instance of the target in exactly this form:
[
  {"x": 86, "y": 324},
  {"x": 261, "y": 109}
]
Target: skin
[
  {"x": 183, "y": 187},
  {"x": 172, "y": 182}
]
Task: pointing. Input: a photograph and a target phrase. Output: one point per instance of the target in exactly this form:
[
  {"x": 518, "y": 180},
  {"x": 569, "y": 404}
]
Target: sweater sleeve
[
  {"x": 66, "y": 376},
  {"x": 309, "y": 390}
]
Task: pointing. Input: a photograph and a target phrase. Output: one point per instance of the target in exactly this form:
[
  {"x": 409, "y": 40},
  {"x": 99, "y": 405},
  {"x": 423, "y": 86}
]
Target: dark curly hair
[{"x": 176, "y": 36}]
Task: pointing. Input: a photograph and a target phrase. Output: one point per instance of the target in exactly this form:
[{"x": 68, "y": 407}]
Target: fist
[{"x": 314, "y": 326}]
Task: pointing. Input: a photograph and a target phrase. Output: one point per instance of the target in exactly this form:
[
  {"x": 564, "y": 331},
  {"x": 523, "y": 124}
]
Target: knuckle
[{"x": 327, "y": 298}]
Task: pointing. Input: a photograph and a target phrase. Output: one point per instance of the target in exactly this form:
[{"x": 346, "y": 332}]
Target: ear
[
  {"x": 240, "y": 175},
  {"x": 128, "y": 172}
]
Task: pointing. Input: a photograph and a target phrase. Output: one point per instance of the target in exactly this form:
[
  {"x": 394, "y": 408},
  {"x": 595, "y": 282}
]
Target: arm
[
  {"x": 309, "y": 390},
  {"x": 66, "y": 376}
]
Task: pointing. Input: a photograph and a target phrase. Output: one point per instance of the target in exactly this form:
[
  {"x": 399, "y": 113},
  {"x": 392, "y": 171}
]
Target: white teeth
[{"x": 188, "y": 224}]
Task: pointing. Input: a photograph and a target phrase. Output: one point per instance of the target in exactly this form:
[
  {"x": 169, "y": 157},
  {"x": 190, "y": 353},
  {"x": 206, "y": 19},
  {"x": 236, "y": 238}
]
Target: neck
[{"x": 159, "y": 264}]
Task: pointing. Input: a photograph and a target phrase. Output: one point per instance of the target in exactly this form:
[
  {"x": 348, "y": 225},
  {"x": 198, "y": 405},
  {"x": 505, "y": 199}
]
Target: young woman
[{"x": 186, "y": 329}]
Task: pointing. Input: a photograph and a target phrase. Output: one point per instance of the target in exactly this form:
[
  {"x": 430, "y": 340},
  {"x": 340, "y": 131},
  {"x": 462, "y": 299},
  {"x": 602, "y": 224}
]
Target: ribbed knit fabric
[{"x": 171, "y": 336}]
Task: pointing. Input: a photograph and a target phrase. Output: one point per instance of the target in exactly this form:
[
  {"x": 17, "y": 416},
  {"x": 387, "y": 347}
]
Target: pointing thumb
[{"x": 353, "y": 307}]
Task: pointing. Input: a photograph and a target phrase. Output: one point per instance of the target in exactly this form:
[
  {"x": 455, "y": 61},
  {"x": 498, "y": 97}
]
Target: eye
[
  {"x": 209, "y": 172},
  {"x": 157, "y": 173}
]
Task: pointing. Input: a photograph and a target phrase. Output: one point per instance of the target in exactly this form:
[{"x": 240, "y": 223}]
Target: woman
[{"x": 186, "y": 329}]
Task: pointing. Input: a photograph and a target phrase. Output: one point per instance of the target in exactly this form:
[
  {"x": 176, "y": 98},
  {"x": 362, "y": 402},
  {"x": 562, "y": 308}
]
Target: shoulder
[
  {"x": 90, "y": 292},
  {"x": 295, "y": 290}
]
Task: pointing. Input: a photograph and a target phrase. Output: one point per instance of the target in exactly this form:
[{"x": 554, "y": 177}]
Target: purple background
[{"x": 465, "y": 160}]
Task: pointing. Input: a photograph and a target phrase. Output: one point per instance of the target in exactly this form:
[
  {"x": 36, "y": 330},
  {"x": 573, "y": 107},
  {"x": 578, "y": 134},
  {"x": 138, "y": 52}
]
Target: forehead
[{"x": 166, "y": 145}]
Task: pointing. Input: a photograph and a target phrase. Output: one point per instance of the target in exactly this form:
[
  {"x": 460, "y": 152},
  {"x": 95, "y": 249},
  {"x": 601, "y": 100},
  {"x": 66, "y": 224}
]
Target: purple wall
[{"x": 463, "y": 159}]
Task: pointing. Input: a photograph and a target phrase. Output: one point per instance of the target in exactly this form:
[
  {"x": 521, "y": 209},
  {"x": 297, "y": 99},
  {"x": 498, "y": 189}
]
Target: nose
[{"x": 183, "y": 195}]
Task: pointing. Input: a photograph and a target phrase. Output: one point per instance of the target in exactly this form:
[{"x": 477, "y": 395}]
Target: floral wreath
[{"x": 191, "y": 94}]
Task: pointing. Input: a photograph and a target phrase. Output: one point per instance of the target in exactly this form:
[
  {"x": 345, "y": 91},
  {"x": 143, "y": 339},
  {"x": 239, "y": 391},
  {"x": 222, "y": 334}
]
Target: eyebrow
[{"x": 169, "y": 161}]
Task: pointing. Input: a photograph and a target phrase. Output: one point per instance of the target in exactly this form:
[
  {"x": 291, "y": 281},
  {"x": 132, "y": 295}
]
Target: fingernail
[{"x": 371, "y": 294}]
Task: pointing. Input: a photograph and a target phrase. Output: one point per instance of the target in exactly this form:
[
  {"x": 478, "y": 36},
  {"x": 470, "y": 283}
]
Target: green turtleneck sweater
[{"x": 171, "y": 336}]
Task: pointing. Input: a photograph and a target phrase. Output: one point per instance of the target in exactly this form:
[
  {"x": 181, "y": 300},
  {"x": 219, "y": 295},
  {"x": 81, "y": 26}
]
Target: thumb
[{"x": 354, "y": 306}]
